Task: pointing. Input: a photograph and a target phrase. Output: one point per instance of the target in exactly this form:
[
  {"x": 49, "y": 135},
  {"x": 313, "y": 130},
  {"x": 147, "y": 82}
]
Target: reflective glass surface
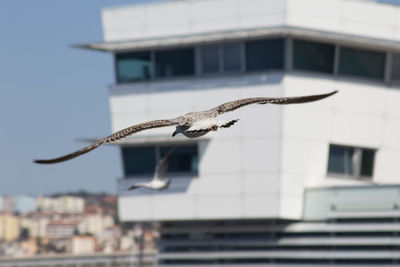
[
  {"x": 138, "y": 160},
  {"x": 264, "y": 54},
  {"x": 367, "y": 162},
  {"x": 185, "y": 158},
  {"x": 361, "y": 63},
  {"x": 340, "y": 160},
  {"x": 132, "y": 67},
  {"x": 210, "y": 59},
  {"x": 396, "y": 68},
  {"x": 313, "y": 56},
  {"x": 232, "y": 57},
  {"x": 172, "y": 63}
]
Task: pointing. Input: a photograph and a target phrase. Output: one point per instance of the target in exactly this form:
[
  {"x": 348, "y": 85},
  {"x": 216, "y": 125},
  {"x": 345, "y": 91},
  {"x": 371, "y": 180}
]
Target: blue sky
[{"x": 51, "y": 94}]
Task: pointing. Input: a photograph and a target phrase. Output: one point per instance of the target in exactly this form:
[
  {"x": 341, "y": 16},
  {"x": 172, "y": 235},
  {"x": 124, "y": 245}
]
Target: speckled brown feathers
[
  {"x": 233, "y": 105},
  {"x": 184, "y": 124},
  {"x": 114, "y": 137}
]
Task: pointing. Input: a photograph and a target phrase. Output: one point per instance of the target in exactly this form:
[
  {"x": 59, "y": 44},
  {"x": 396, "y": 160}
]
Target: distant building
[
  {"x": 9, "y": 227},
  {"x": 95, "y": 223},
  {"x": 82, "y": 244},
  {"x": 61, "y": 228},
  {"x": 7, "y": 204},
  {"x": 35, "y": 224},
  {"x": 63, "y": 204},
  {"x": 30, "y": 247}
]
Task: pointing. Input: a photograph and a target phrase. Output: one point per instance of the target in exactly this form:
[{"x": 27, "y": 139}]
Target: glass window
[
  {"x": 185, "y": 159},
  {"x": 340, "y": 160},
  {"x": 138, "y": 160},
  {"x": 367, "y": 162},
  {"x": 174, "y": 63},
  {"x": 132, "y": 67},
  {"x": 313, "y": 56},
  {"x": 351, "y": 162},
  {"x": 142, "y": 160},
  {"x": 232, "y": 57},
  {"x": 361, "y": 63},
  {"x": 264, "y": 54},
  {"x": 396, "y": 67},
  {"x": 210, "y": 59}
]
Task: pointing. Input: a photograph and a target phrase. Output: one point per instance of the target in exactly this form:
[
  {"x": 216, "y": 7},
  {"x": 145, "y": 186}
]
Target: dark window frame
[
  {"x": 158, "y": 52},
  {"x": 395, "y": 59},
  {"x": 250, "y": 65},
  {"x": 312, "y": 44},
  {"x": 357, "y": 159},
  {"x": 126, "y": 54},
  {"x": 158, "y": 151},
  {"x": 221, "y": 59},
  {"x": 360, "y": 51},
  {"x": 287, "y": 56}
]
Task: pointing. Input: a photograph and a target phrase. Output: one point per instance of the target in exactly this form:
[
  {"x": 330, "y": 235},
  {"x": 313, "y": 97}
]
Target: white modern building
[{"x": 316, "y": 183}]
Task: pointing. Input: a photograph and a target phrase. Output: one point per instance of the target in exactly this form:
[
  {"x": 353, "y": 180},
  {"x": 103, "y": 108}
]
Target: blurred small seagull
[
  {"x": 158, "y": 183},
  {"x": 193, "y": 124}
]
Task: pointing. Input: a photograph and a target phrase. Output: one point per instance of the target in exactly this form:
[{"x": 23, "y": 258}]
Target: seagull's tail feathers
[{"x": 167, "y": 183}]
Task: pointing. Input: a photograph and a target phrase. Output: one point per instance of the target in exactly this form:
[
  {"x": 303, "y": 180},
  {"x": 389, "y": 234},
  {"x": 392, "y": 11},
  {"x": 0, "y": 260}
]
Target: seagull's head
[{"x": 179, "y": 129}]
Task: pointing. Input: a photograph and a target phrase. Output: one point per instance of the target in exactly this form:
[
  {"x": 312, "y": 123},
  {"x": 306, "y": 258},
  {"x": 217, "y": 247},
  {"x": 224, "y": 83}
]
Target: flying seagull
[
  {"x": 158, "y": 183},
  {"x": 193, "y": 124}
]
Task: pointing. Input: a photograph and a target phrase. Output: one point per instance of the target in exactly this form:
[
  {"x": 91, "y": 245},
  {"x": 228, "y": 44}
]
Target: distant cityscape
[{"x": 73, "y": 223}]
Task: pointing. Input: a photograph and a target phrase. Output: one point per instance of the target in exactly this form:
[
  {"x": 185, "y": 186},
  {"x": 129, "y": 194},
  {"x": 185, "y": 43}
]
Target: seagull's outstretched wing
[
  {"x": 162, "y": 165},
  {"x": 231, "y": 106},
  {"x": 115, "y": 136}
]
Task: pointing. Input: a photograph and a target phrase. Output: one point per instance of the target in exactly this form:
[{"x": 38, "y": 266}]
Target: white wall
[
  {"x": 189, "y": 17},
  {"x": 261, "y": 166},
  {"x": 355, "y": 17},
  {"x": 363, "y": 113},
  {"x": 239, "y": 166}
]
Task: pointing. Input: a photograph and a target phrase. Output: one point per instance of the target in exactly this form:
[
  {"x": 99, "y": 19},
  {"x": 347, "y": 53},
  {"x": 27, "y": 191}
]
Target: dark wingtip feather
[{"x": 43, "y": 161}]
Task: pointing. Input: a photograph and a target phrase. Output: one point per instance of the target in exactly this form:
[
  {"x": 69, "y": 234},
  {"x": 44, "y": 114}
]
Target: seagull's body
[
  {"x": 193, "y": 124},
  {"x": 153, "y": 184},
  {"x": 202, "y": 127},
  {"x": 158, "y": 183}
]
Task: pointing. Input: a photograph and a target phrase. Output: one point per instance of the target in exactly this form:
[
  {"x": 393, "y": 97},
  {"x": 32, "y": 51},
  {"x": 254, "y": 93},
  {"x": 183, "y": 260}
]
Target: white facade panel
[
  {"x": 352, "y": 17},
  {"x": 260, "y": 205},
  {"x": 189, "y": 18},
  {"x": 357, "y": 129},
  {"x": 387, "y": 166},
  {"x": 291, "y": 206},
  {"x": 363, "y": 18}
]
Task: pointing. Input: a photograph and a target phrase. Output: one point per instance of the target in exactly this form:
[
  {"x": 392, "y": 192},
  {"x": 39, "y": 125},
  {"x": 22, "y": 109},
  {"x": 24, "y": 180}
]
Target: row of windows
[
  {"x": 256, "y": 55},
  {"x": 344, "y": 161},
  {"x": 212, "y": 59}
]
